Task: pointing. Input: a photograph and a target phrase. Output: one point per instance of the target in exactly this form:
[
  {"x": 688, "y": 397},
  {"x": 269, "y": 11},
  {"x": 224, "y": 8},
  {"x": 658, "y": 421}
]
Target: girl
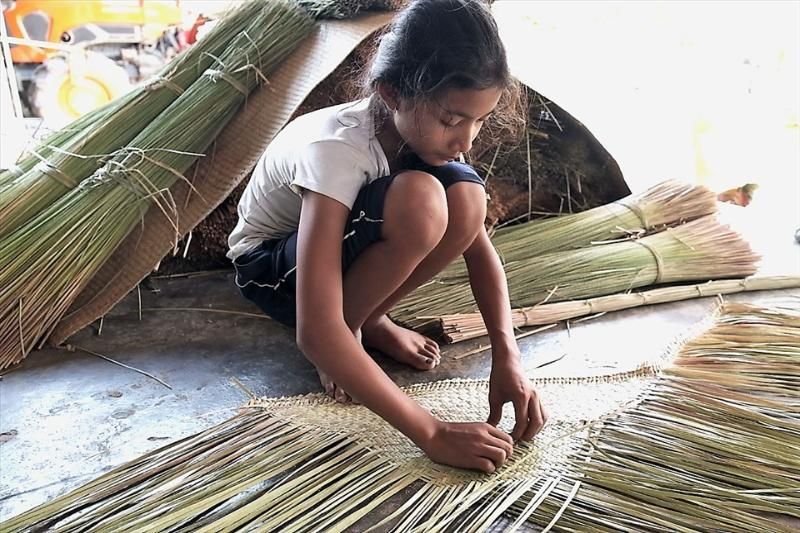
[{"x": 383, "y": 173}]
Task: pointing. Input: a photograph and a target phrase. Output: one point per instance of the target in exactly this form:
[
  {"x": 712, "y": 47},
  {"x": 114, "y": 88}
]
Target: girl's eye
[{"x": 452, "y": 122}]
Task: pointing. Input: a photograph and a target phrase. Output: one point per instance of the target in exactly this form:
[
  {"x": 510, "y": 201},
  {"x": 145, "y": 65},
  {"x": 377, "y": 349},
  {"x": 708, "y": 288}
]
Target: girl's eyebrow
[{"x": 465, "y": 115}]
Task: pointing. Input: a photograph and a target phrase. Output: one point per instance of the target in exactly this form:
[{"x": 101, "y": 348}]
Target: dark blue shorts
[{"x": 266, "y": 274}]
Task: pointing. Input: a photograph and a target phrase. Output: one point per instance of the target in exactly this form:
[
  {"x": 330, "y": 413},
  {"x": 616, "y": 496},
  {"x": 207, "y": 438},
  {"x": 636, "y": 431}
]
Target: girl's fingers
[
  {"x": 485, "y": 465},
  {"x": 501, "y": 435},
  {"x": 536, "y": 418},
  {"x": 497, "y": 456},
  {"x": 521, "y": 425},
  {"x": 505, "y": 446}
]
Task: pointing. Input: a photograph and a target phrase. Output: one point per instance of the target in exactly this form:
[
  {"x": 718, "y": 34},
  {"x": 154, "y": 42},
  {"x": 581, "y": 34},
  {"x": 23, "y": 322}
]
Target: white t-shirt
[{"x": 332, "y": 151}]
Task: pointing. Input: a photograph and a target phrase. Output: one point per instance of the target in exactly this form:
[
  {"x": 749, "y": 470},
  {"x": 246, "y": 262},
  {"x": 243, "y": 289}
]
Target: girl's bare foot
[{"x": 401, "y": 344}]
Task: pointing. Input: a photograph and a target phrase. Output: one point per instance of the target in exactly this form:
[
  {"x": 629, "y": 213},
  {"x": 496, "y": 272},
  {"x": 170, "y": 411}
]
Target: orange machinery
[{"x": 71, "y": 56}]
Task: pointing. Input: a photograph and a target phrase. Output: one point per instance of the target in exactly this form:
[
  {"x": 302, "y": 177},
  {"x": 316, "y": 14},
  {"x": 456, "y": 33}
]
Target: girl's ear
[{"x": 389, "y": 96}]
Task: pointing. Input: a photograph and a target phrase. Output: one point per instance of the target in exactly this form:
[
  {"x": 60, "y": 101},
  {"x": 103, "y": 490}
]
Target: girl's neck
[{"x": 390, "y": 140}]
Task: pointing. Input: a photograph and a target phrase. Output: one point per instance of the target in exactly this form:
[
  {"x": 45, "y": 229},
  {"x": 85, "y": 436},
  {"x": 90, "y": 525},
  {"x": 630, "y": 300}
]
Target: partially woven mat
[
  {"x": 228, "y": 162},
  {"x": 708, "y": 443}
]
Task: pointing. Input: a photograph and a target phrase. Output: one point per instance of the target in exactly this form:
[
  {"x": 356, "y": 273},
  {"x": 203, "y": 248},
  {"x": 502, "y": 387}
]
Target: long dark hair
[{"x": 435, "y": 45}]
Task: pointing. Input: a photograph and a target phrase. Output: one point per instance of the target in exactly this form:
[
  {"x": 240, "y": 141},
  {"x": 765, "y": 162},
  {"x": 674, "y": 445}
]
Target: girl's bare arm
[
  {"x": 325, "y": 338},
  {"x": 508, "y": 382}
]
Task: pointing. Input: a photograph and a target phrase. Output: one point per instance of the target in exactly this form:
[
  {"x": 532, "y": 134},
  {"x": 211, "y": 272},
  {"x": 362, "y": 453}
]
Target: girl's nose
[{"x": 464, "y": 137}]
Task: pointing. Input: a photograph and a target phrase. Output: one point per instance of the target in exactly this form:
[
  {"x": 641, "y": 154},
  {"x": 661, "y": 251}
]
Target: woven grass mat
[
  {"x": 704, "y": 440},
  {"x": 228, "y": 162}
]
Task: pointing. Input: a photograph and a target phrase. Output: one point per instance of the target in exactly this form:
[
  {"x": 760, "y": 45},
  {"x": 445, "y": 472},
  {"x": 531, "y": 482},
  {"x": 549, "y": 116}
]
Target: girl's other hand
[
  {"x": 508, "y": 383},
  {"x": 476, "y": 446}
]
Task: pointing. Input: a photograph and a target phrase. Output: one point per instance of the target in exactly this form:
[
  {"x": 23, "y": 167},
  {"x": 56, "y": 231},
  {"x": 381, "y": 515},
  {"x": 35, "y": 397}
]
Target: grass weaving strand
[{"x": 702, "y": 439}]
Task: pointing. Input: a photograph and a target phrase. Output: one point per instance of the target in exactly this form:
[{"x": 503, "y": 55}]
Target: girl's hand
[
  {"x": 509, "y": 384},
  {"x": 476, "y": 446}
]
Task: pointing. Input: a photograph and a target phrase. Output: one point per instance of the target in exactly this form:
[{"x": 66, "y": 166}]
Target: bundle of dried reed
[
  {"x": 75, "y": 153},
  {"x": 667, "y": 204},
  {"x": 46, "y": 262},
  {"x": 699, "y": 250},
  {"x": 81, "y": 139}
]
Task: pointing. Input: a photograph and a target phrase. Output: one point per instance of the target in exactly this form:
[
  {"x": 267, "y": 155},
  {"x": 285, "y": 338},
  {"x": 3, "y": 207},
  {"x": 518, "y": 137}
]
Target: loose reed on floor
[
  {"x": 46, "y": 262},
  {"x": 708, "y": 443}
]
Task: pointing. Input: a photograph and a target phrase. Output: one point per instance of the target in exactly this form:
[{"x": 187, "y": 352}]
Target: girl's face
[{"x": 440, "y": 130}]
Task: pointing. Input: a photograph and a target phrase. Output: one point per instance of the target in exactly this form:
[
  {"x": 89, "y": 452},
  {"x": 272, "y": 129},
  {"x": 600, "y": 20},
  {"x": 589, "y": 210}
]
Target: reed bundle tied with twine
[
  {"x": 666, "y": 204},
  {"x": 63, "y": 162},
  {"x": 71, "y": 138},
  {"x": 699, "y": 250},
  {"x": 704, "y": 438},
  {"x": 46, "y": 262}
]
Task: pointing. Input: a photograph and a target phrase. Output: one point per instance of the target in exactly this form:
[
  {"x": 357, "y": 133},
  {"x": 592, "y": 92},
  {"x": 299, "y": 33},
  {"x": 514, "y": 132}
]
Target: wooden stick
[{"x": 456, "y": 328}]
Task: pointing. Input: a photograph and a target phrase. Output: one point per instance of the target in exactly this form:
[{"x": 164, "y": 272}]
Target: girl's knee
[
  {"x": 466, "y": 214},
  {"x": 416, "y": 207}
]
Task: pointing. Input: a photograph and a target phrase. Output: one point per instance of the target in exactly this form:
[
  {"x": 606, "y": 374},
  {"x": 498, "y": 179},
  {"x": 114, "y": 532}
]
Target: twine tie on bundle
[
  {"x": 636, "y": 211},
  {"x": 160, "y": 82},
  {"x": 46, "y": 167},
  {"x": 657, "y": 256}
]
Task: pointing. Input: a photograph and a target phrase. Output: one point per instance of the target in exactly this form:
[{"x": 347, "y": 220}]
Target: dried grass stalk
[
  {"x": 45, "y": 263},
  {"x": 70, "y": 156},
  {"x": 699, "y": 250},
  {"x": 456, "y": 328},
  {"x": 708, "y": 443},
  {"x": 667, "y": 204}
]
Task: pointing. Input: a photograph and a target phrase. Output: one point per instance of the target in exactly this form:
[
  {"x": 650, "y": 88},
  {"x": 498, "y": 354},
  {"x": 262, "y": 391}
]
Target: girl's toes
[
  {"x": 428, "y": 362},
  {"x": 432, "y": 345},
  {"x": 341, "y": 396}
]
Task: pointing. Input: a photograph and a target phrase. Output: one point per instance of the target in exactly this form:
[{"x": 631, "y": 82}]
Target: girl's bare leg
[
  {"x": 466, "y": 204},
  {"x": 423, "y": 230}
]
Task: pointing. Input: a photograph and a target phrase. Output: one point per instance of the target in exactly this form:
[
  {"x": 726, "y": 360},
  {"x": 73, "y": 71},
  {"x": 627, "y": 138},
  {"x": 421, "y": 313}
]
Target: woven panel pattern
[{"x": 572, "y": 403}]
